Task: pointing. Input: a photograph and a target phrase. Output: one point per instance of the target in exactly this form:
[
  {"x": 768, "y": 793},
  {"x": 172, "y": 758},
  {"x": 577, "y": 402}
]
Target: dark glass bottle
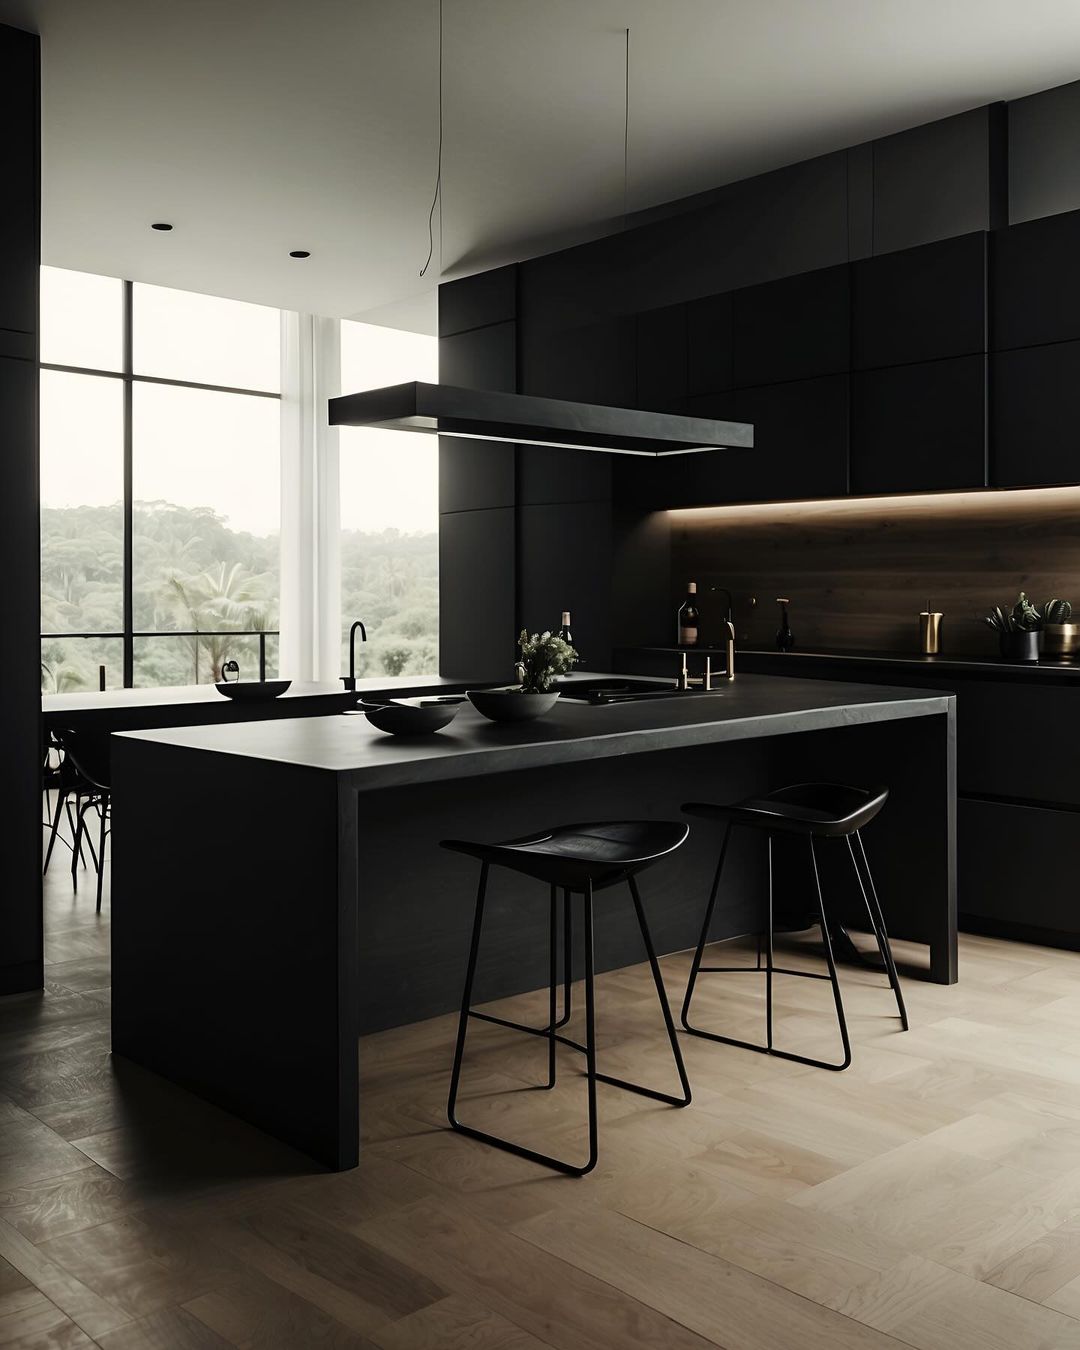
[
  {"x": 785, "y": 639},
  {"x": 688, "y": 617},
  {"x": 564, "y": 628}
]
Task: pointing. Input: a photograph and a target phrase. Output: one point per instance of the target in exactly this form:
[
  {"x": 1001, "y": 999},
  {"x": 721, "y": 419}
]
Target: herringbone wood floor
[{"x": 928, "y": 1197}]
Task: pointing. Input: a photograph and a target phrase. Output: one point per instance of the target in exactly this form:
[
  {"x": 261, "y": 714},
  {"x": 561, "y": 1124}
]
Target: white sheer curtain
[{"x": 310, "y": 511}]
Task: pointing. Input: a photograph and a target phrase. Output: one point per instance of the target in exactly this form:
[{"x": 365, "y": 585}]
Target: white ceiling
[{"x": 259, "y": 126}]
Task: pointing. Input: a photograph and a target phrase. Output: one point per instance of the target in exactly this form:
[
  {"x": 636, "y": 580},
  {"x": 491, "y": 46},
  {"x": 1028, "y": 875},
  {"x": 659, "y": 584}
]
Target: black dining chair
[{"x": 88, "y": 753}]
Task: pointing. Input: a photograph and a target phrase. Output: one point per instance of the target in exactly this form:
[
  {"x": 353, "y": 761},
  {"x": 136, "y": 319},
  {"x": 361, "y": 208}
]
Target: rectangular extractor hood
[{"x": 483, "y": 414}]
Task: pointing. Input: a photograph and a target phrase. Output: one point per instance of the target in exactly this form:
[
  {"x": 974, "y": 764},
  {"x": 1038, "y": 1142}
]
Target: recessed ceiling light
[
  {"x": 299, "y": 253},
  {"x": 161, "y": 225}
]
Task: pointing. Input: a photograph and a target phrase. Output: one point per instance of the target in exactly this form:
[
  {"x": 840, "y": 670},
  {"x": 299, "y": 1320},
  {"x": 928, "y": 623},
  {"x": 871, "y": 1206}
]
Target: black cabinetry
[
  {"x": 919, "y": 428},
  {"x": 920, "y": 304},
  {"x": 1035, "y": 282},
  {"x": 1035, "y": 414},
  {"x": 792, "y": 329}
]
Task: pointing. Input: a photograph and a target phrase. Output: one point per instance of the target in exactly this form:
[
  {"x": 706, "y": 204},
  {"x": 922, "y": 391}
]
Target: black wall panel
[
  {"x": 19, "y": 216},
  {"x": 475, "y": 475},
  {"x": 481, "y": 358},
  {"x": 792, "y": 329},
  {"x": 1035, "y": 412},
  {"x": 921, "y": 304},
  {"x": 919, "y": 428},
  {"x": 548, "y": 474},
  {"x": 933, "y": 181},
  {"x": 20, "y": 710},
  {"x": 472, "y": 302},
  {"x": 569, "y": 547},
  {"x": 1035, "y": 282},
  {"x": 477, "y": 594}
]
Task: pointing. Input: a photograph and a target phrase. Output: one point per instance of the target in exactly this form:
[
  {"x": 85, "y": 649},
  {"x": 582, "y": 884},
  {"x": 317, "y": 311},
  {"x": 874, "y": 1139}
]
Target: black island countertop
[{"x": 750, "y": 706}]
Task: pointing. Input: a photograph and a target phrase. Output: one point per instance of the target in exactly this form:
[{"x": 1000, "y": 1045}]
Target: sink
[{"x": 616, "y": 690}]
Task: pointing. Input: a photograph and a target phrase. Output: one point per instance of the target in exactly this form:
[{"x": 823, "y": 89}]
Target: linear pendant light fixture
[
  {"x": 484, "y": 414},
  {"x": 524, "y": 419}
]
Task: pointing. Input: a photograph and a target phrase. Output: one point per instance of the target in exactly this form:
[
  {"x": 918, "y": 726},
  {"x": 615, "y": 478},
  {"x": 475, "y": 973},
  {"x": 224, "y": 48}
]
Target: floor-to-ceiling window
[
  {"x": 160, "y": 483},
  {"x": 389, "y": 492}
]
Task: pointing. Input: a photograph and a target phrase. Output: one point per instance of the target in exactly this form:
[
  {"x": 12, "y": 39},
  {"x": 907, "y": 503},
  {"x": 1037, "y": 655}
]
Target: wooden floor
[{"x": 928, "y": 1197}]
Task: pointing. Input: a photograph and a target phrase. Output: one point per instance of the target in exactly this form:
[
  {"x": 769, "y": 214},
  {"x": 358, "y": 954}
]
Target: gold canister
[
  {"x": 930, "y": 632},
  {"x": 1062, "y": 640}
]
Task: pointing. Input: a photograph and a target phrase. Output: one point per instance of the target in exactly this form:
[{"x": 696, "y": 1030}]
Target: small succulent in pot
[
  {"x": 1056, "y": 611},
  {"x": 544, "y": 656},
  {"x": 1017, "y": 628}
]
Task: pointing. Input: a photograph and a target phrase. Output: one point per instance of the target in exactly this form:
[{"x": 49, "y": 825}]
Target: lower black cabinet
[
  {"x": 920, "y": 428},
  {"x": 997, "y": 884},
  {"x": 1035, "y": 409}
]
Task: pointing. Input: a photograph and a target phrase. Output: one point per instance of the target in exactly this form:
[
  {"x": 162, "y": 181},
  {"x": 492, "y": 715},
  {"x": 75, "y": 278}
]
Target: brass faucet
[{"x": 687, "y": 681}]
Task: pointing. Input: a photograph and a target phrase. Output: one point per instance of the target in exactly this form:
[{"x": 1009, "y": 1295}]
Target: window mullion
[{"x": 129, "y": 505}]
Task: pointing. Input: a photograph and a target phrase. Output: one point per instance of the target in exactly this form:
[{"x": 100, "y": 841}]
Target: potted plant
[
  {"x": 1018, "y": 629},
  {"x": 1061, "y": 637},
  {"x": 544, "y": 656}
]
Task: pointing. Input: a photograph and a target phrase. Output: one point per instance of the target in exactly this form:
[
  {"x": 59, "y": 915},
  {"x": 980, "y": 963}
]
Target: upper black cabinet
[
  {"x": 1035, "y": 413},
  {"x": 1035, "y": 282},
  {"x": 596, "y": 363},
  {"x": 709, "y": 344},
  {"x": 919, "y": 428},
  {"x": 662, "y": 359},
  {"x": 800, "y": 450},
  {"x": 792, "y": 329},
  {"x": 921, "y": 304}
]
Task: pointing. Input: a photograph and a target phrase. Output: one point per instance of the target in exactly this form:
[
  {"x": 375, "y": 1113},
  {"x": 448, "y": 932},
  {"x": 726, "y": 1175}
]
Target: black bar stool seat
[
  {"x": 814, "y": 811},
  {"x": 828, "y": 810},
  {"x": 576, "y": 859}
]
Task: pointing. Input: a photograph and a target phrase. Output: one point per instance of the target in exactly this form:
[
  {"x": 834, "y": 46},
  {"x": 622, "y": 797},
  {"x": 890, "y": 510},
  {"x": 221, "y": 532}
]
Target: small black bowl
[
  {"x": 252, "y": 691},
  {"x": 410, "y": 719}
]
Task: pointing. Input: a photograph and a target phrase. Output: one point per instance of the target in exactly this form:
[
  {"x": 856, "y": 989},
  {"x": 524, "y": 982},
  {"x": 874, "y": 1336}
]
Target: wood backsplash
[{"x": 859, "y": 572}]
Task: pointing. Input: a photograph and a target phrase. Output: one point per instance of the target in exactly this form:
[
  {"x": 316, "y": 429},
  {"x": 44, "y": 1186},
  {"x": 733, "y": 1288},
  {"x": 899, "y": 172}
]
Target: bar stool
[
  {"x": 816, "y": 811},
  {"x": 577, "y": 859}
]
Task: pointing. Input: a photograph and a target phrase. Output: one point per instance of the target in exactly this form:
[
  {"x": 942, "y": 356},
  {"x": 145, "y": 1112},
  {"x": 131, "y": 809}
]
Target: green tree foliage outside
[{"x": 192, "y": 571}]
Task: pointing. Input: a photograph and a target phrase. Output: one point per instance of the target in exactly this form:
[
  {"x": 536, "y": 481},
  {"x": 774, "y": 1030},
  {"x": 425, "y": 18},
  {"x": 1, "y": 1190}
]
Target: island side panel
[{"x": 234, "y": 966}]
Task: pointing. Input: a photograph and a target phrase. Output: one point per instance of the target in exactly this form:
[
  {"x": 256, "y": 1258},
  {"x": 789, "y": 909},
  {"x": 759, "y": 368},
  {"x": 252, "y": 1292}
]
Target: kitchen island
[{"x": 278, "y": 888}]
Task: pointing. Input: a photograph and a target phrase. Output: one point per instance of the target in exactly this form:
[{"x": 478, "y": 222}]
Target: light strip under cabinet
[{"x": 521, "y": 419}]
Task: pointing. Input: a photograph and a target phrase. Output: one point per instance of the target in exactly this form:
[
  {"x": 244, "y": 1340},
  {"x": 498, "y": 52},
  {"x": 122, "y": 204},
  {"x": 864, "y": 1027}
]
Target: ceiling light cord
[
  {"x": 436, "y": 199},
  {"x": 626, "y": 134}
]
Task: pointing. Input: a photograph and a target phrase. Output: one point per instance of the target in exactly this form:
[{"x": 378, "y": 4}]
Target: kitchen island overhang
[{"x": 315, "y": 903}]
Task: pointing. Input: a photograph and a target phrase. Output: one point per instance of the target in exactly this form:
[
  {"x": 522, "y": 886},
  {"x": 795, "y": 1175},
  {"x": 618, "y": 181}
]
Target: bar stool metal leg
[
  {"x": 769, "y": 947},
  {"x": 877, "y": 921},
  {"x": 568, "y": 961},
  {"x": 827, "y": 942},
  {"x": 661, "y": 992},
  {"x": 589, "y": 1048},
  {"x": 771, "y": 969},
  {"x": 703, "y": 940},
  {"x": 553, "y": 939}
]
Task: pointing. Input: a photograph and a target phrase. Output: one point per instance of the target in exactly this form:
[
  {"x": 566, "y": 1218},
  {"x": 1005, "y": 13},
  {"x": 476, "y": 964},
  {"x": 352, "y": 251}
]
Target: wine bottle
[
  {"x": 564, "y": 629},
  {"x": 688, "y": 617}
]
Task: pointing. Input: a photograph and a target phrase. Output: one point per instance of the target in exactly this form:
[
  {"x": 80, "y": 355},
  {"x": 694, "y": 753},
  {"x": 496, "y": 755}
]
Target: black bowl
[
  {"x": 253, "y": 691},
  {"x": 410, "y": 719}
]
